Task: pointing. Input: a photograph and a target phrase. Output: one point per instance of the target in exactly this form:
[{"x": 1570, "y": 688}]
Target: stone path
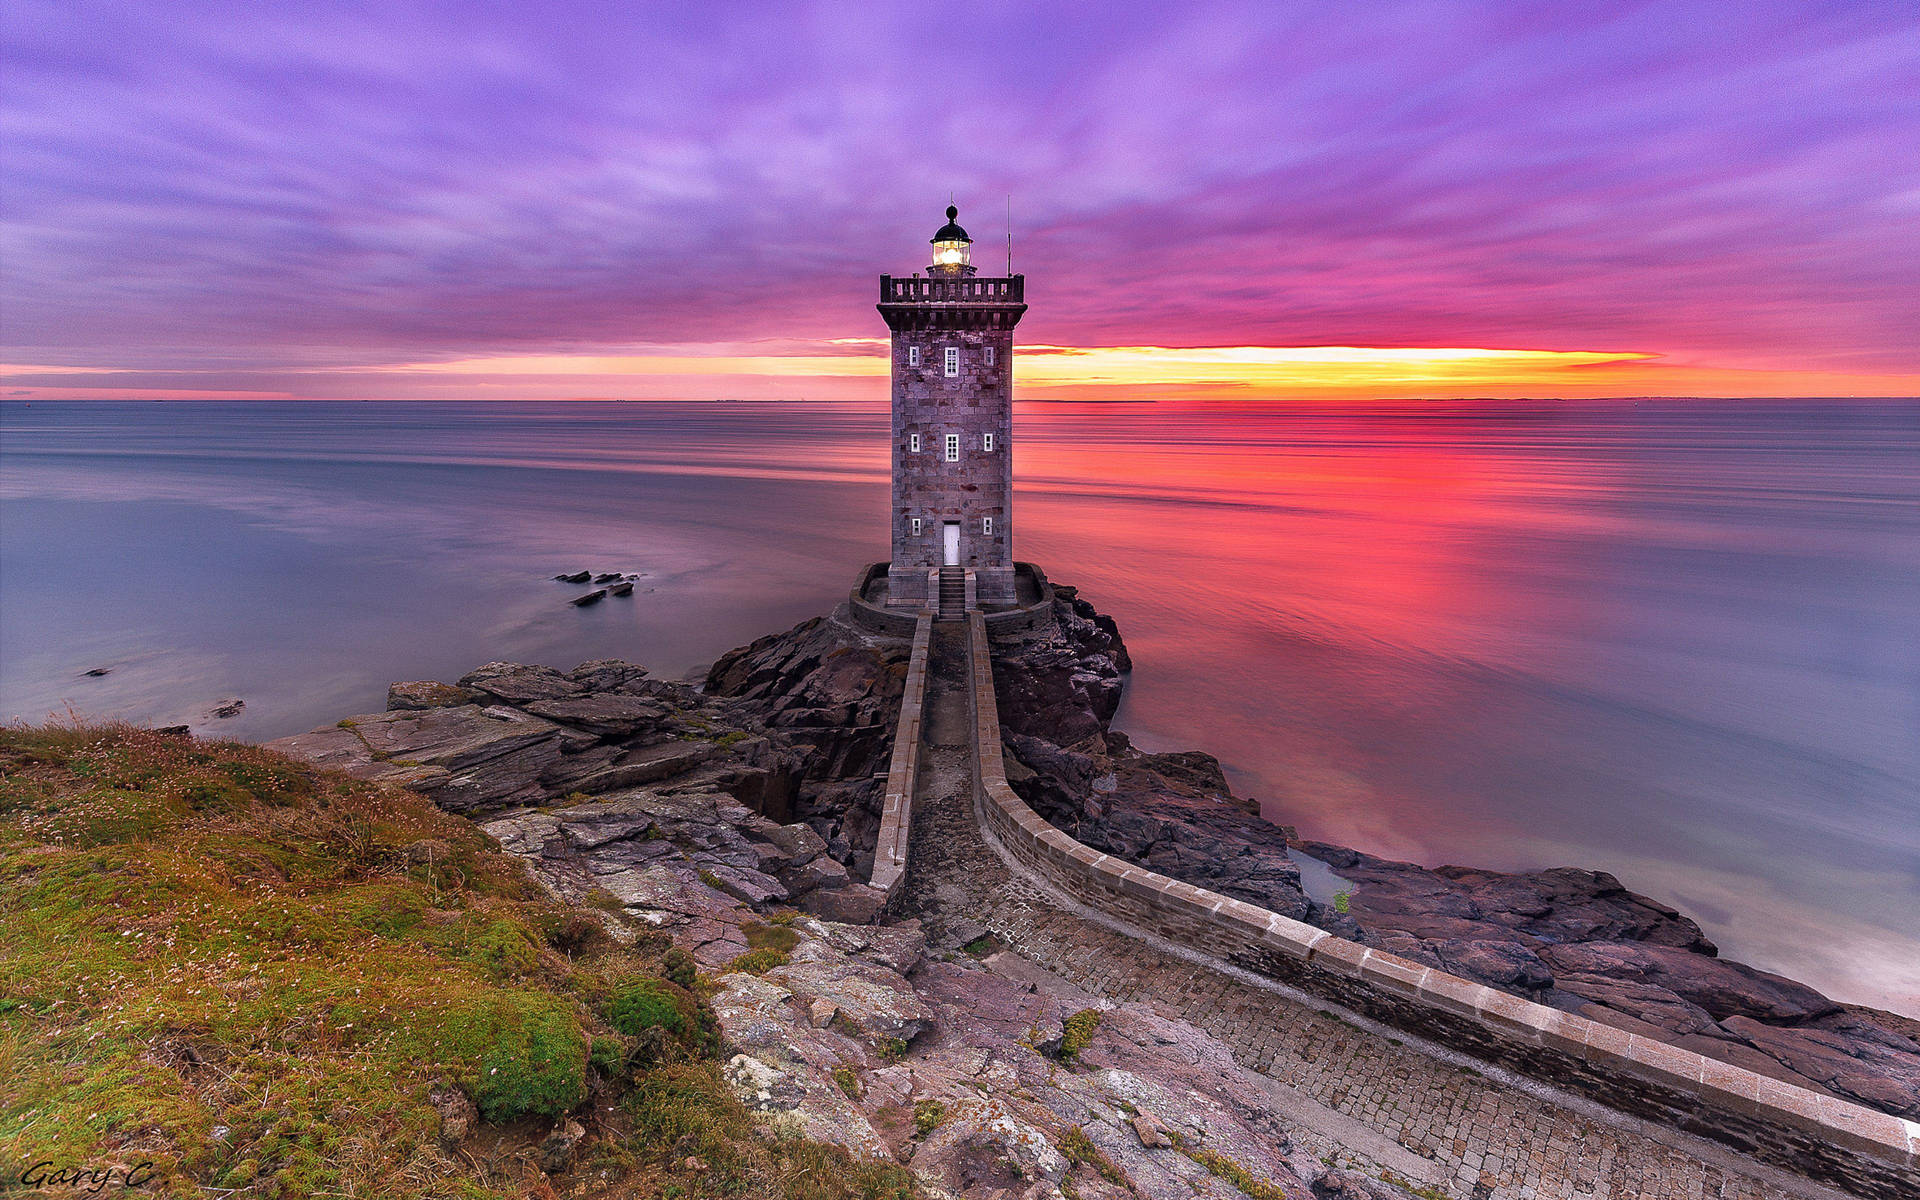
[{"x": 1477, "y": 1138}]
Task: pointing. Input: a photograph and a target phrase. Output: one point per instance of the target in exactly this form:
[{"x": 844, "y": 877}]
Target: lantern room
[{"x": 951, "y": 247}]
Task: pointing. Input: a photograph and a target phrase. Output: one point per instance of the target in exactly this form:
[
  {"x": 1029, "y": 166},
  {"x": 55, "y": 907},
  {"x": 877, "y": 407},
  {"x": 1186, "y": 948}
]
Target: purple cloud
[{"x": 232, "y": 187}]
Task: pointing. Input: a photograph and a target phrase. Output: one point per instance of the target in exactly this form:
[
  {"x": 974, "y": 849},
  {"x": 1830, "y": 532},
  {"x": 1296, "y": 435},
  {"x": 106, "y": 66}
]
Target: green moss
[
  {"x": 928, "y": 1115},
  {"x": 504, "y": 949},
  {"x": 1080, "y": 1150},
  {"x": 1078, "y": 1034},
  {"x": 848, "y": 1082},
  {"x": 608, "y": 1056},
  {"x": 678, "y": 967},
  {"x": 644, "y": 1004},
  {"x": 1221, "y": 1167}
]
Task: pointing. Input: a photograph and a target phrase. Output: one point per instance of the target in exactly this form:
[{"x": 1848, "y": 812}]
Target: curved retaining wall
[
  {"x": 903, "y": 772},
  {"x": 899, "y": 622},
  {"x": 878, "y": 618},
  {"x": 1865, "y": 1152}
]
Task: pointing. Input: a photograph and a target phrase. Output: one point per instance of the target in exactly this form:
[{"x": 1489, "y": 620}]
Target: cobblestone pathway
[{"x": 1479, "y": 1140}]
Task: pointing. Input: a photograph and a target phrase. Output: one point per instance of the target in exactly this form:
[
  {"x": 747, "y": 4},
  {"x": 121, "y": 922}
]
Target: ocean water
[{"x": 1679, "y": 641}]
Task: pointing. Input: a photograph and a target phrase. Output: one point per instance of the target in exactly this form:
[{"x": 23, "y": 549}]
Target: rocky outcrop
[
  {"x": 1063, "y": 687},
  {"x": 832, "y": 692},
  {"x": 695, "y": 812},
  {"x": 1580, "y": 941},
  {"x": 1575, "y": 939},
  {"x": 676, "y": 804},
  {"x": 941, "y": 1064}
]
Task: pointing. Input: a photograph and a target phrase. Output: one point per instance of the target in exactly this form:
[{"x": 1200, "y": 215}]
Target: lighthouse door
[{"x": 952, "y": 558}]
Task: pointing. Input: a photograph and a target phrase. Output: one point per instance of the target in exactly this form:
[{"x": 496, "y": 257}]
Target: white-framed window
[
  {"x": 986, "y": 442},
  {"x": 986, "y": 526},
  {"x": 916, "y": 526},
  {"x": 989, "y": 355},
  {"x": 913, "y": 443},
  {"x": 953, "y": 447},
  {"x": 953, "y": 361},
  {"x": 913, "y": 356}
]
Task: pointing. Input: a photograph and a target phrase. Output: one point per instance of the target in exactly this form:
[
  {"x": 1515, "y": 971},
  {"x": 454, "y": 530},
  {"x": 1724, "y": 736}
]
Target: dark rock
[
  {"x": 610, "y": 675},
  {"x": 1503, "y": 964},
  {"x": 606, "y": 577},
  {"x": 614, "y": 715},
  {"x": 517, "y": 683},
  {"x": 419, "y": 694},
  {"x": 1660, "y": 1007},
  {"x": 1350, "y": 1185},
  {"x": 850, "y": 903},
  {"x": 1851, "y": 1057},
  {"x": 174, "y": 730},
  {"x": 556, "y": 1149},
  {"x": 458, "y": 1114},
  {"x": 576, "y": 577},
  {"x": 831, "y": 694},
  {"x": 97, "y": 672},
  {"x": 593, "y": 597},
  {"x": 227, "y": 708},
  {"x": 1723, "y": 989},
  {"x": 621, "y": 589}
]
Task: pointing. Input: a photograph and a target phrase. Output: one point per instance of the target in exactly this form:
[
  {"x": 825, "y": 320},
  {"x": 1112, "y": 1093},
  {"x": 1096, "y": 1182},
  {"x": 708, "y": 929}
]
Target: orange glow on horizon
[{"x": 854, "y": 368}]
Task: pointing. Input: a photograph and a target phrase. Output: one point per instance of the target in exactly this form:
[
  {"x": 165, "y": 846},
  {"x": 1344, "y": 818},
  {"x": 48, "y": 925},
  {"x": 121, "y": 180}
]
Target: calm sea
[{"x": 1677, "y": 641}]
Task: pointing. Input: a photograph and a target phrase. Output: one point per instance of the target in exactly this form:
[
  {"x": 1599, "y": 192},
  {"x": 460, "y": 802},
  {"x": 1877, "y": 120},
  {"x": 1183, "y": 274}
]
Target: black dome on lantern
[{"x": 951, "y": 232}]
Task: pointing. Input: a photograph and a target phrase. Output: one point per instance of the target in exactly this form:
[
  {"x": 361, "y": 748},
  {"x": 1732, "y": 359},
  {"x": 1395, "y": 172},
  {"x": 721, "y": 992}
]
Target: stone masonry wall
[
  {"x": 1867, "y": 1153},
  {"x": 973, "y": 404},
  {"x": 896, "y": 814}
]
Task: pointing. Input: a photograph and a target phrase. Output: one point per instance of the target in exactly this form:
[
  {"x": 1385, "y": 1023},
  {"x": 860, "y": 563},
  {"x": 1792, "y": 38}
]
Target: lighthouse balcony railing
[{"x": 968, "y": 290}]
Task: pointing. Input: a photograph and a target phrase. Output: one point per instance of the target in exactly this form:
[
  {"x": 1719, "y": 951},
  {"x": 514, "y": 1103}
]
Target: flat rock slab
[
  {"x": 454, "y": 738},
  {"x": 613, "y": 715}
]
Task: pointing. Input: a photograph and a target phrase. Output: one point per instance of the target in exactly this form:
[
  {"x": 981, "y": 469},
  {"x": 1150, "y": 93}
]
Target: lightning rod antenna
[{"x": 1009, "y": 235}]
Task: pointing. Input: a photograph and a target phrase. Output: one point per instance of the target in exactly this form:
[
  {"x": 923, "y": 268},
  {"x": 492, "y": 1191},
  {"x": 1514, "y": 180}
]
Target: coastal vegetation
[{"x": 223, "y": 969}]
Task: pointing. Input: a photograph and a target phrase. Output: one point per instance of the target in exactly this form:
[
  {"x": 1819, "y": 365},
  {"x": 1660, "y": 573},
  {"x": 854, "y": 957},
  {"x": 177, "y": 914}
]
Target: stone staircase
[{"x": 953, "y": 594}]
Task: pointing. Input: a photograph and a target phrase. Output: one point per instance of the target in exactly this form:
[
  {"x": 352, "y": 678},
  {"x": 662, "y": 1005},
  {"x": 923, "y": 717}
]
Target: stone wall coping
[
  {"x": 1891, "y": 1141},
  {"x": 903, "y": 771}
]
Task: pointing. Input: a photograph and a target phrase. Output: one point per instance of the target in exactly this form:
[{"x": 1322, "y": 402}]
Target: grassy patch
[
  {"x": 1221, "y": 1167},
  {"x": 1081, "y": 1151},
  {"x": 928, "y": 1115},
  {"x": 769, "y": 937},
  {"x": 685, "y": 1111},
  {"x": 1078, "y": 1033},
  {"x": 757, "y": 962},
  {"x": 199, "y": 934}
]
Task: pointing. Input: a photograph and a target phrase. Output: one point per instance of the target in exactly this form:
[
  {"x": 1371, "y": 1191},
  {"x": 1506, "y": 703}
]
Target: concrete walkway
[{"x": 1433, "y": 1118}]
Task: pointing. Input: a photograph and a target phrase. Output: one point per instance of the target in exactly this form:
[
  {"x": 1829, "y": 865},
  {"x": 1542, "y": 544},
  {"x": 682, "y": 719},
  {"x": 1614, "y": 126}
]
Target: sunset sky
[{"x": 1264, "y": 201}]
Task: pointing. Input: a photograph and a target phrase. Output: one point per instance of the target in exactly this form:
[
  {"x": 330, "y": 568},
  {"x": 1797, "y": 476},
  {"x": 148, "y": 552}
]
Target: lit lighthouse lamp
[{"x": 950, "y": 248}]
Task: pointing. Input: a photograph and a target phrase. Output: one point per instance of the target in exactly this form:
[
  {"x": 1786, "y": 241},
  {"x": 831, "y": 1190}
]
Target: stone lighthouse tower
[{"x": 952, "y": 425}]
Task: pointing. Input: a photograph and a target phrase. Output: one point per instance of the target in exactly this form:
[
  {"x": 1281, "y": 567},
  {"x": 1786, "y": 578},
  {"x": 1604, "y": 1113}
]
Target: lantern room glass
[{"x": 951, "y": 255}]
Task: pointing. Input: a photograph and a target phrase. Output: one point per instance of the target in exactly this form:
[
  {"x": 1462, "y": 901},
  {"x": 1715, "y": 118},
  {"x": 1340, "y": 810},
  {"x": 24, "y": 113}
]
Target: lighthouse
[{"x": 952, "y": 511}]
